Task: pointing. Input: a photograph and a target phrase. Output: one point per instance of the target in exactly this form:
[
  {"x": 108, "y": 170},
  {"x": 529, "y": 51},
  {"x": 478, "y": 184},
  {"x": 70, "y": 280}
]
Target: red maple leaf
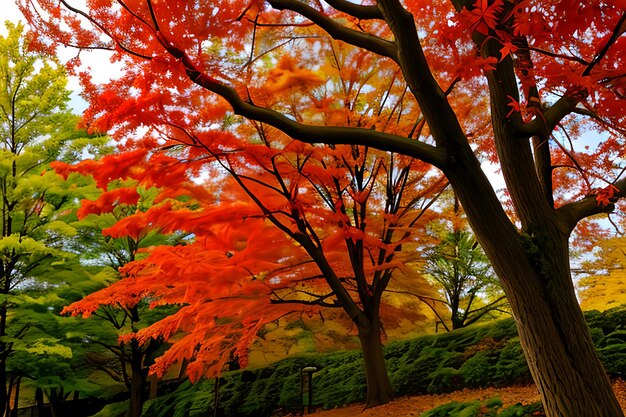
[{"x": 483, "y": 16}]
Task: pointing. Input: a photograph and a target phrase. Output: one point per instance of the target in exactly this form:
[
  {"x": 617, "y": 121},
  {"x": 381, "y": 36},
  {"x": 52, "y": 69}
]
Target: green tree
[
  {"x": 469, "y": 285},
  {"x": 52, "y": 356},
  {"x": 35, "y": 129},
  {"x": 127, "y": 361}
]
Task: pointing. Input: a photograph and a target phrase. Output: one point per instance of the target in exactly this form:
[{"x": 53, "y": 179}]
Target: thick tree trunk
[
  {"x": 555, "y": 336},
  {"x": 136, "y": 395},
  {"x": 534, "y": 272},
  {"x": 379, "y": 389}
]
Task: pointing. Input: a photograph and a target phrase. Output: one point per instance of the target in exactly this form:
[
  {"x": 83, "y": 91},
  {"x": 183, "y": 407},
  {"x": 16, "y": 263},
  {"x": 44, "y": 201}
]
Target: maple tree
[
  {"x": 130, "y": 359},
  {"x": 549, "y": 71},
  {"x": 348, "y": 210}
]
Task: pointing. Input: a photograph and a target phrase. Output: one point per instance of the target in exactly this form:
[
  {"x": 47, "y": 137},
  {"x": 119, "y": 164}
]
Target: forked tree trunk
[{"x": 379, "y": 390}]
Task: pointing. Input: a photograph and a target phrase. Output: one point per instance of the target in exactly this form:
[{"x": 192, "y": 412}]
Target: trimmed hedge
[{"x": 479, "y": 356}]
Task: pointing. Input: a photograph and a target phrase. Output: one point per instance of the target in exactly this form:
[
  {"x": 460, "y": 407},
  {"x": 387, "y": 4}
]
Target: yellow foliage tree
[{"x": 605, "y": 288}]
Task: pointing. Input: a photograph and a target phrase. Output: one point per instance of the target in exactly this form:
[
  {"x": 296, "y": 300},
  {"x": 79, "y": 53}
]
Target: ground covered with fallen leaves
[{"x": 414, "y": 406}]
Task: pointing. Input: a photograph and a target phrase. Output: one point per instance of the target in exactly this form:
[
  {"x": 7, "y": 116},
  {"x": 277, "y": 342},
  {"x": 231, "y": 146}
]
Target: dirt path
[{"x": 414, "y": 406}]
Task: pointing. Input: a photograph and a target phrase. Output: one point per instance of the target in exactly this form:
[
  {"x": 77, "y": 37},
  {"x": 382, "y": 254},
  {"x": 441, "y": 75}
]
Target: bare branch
[
  {"x": 104, "y": 30},
  {"x": 617, "y": 31},
  {"x": 561, "y": 56}
]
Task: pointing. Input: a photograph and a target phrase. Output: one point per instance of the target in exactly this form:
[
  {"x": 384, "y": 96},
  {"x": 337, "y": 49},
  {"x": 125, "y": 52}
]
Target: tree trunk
[
  {"x": 555, "y": 337},
  {"x": 55, "y": 398},
  {"x": 4, "y": 397},
  {"x": 138, "y": 381},
  {"x": 534, "y": 271},
  {"x": 379, "y": 389},
  {"x": 39, "y": 401},
  {"x": 16, "y": 397}
]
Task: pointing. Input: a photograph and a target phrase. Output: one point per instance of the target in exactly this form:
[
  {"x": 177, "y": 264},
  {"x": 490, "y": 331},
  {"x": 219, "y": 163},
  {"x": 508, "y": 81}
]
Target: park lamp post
[{"x": 306, "y": 386}]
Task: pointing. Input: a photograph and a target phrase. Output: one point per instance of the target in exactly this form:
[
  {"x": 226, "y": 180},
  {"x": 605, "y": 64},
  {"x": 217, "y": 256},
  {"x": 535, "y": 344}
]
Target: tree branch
[
  {"x": 319, "y": 300},
  {"x": 363, "y": 40},
  {"x": 617, "y": 32},
  {"x": 332, "y": 135},
  {"x": 356, "y": 10},
  {"x": 104, "y": 30},
  {"x": 573, "y": 213},
  {"x": 438, "y": 113},
  {"x": 543, "y": 126}
]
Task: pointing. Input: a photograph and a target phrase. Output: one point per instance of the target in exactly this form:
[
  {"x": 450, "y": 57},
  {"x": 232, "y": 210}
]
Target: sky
[{"x": 9, "y": 12}]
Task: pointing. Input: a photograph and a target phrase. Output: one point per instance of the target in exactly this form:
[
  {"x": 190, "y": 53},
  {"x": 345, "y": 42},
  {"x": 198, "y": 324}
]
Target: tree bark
[
  {"x": 16, "y": 398},
  {"x": 4, "y": 398},
  {"x": 138, "y": 381},
  {"x": 4, "y": 353},
  {"x": 534, "y": 271},
  {"x": 379, "y": 390},
  {"x": 55, "y": 398},
  {"x": 555, "y": 337}
]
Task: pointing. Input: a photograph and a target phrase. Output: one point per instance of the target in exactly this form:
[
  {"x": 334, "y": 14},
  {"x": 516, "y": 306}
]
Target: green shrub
[
  {"x": 413, "y": 376},
  {"x": 489, "y": 408},
  {"x": 478, "y": 370},
  {"x": 617, "y": 337},
  {"x": 471, "y": 409},
  {"x": 445, "y": 380},
  {"x": 478, "y": 356},
  {"x": 608, "y": 321},
  {"x": 511, "y": 367},
  {"x": 519, "y": 410},
  {"x": 338, "y": 385},
  {"x": 502, "y": 329},
  {"x": 113, "y": 410},
  {"x": 454, "y": 409},
  {"x": 614, "y": 359}
]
